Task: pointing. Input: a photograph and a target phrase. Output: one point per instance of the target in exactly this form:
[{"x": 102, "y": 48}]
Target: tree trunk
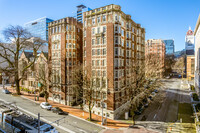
[
  {"x": 90, "y": 117},
  {"x": 46, "y": 96},
  {"x": 133, "y": 116},
  {"x": 46, "y": 99},
  {"x": 17, "y": 85}
]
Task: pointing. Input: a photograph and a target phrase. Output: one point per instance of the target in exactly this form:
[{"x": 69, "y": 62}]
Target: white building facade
[
  {"x": 189, "y": 42},
  {"x": 197, "y": 56}
]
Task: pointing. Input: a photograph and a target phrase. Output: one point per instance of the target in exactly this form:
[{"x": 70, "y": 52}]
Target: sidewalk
[{"x": 76, "y": 112}]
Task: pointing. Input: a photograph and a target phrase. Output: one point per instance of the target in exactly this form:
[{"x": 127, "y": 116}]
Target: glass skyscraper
[
  {"x": 39, "y": 27},
  {"x": 80, "y": 10},
  {"x": 169, "y": 46}
]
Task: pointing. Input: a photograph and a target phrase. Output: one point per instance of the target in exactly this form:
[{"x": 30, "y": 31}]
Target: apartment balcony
[{"x": 100, "y": 34}]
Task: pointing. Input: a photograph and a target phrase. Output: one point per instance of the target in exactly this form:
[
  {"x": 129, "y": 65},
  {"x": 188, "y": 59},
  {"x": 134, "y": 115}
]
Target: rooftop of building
[
  {"x": 105, "y": 6},
  {"x": 168, "y": 39},
  {"x": 118, "y": 7},
  {"x": 38, "y": 20},
  {"x": 62, "y": 19},
  {"x": 189, "y": 32},
  {"x": 29, "y": 54}
]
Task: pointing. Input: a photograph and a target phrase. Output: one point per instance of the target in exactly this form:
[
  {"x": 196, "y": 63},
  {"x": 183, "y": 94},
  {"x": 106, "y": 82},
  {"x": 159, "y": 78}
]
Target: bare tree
[
  {"x": 169, "y": 63},
  {"x": 154, "y": 66},
  {"x": 144, "y": 81},
  {"x": 78, "y": 84},
  {"x": 18, "y": 39},
  {"x": 93, "y": 89},
  {"x": 42, "y": 73},
  {"x": 179, "y": 65},
  {"x": 89, "y": 90}
]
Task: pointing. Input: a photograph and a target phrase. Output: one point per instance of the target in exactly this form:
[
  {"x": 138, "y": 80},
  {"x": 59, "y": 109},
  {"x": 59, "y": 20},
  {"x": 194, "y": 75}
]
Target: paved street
[
  {"x": 161, "y": 111},
  {"x": 69, "y": 124},
  {"x": 164, "y": 107},
  {"x": 165, "y": 104}
]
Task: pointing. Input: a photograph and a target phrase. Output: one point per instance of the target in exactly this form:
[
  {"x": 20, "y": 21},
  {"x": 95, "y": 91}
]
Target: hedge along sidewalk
[
  {"x": 191, "y": 97},
  {"x": 76, "y": 112}
]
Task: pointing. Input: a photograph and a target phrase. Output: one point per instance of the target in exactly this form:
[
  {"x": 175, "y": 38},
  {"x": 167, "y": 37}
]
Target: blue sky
[{"x": 162, "y": 19}]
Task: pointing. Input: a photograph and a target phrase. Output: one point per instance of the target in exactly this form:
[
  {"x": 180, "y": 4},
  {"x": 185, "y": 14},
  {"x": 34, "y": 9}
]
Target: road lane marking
[{"x": 61, "y": 127}]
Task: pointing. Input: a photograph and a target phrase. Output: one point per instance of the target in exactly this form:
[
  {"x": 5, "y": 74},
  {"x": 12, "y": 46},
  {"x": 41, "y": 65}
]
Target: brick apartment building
[
  {"x": 190, "y": 62},
  {"x": 156, "y": 48},
  {"x": 112, "y": 43},
  {"x": 65, "y": 52}
]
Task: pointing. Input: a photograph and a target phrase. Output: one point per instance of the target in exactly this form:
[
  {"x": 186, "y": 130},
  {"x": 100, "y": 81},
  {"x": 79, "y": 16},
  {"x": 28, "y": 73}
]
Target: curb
[
  {"x": 30, "y": 99},
  {"x": 70, "y": 114}
]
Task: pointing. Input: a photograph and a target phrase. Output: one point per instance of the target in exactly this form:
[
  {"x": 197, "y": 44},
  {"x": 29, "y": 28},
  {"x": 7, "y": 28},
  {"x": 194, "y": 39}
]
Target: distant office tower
[
  {"x": 189, "y": 42},
  {"x": 39, "y": 27},
  {"x": 169, "y": 46},
  {"x": 113, "y": 43},
  {"x": 65, "y": 53},
  {"x": 80, "y": 10},
  {"x": 156, "y": 48},
  {"x": 197, "y": 56}
]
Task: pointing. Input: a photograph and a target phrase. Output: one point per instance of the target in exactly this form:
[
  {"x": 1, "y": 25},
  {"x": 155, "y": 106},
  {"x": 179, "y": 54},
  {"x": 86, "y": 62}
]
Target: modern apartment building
[
  {"x": 113, "y": 42},
  {"x": 156, "y": 47},
  {"x": 39, "y": 27},
  {"x": 80, "y": 10},
  {"x": 197, "y": 56},
  {"x": 169, "y": 46},
  {"x": 65, "y": 53}
]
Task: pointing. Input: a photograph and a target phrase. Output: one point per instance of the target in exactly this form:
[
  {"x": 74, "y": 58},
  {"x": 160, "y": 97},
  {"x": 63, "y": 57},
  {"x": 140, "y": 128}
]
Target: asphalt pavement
[
  {"x": 66, "y": 124},
  {"x": 164, "y": 107}
]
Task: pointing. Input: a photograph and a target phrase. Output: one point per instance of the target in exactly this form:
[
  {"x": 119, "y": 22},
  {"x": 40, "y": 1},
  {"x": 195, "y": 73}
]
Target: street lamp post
[
  {"x": 38, "y": 122},
  {"x": 102, "y": 112},
  {"x": 3, "y": 80}
]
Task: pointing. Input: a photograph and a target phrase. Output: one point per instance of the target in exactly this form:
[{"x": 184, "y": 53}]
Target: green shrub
[
  {"x": 37, "y": 90},
  {"x": 195, "y": 97},
  {"x": 197, "y": 107},
  {"x": 192, "y": 87},
  {"x": 42, "y": 94},
  {"x": 25, "y": 89}
]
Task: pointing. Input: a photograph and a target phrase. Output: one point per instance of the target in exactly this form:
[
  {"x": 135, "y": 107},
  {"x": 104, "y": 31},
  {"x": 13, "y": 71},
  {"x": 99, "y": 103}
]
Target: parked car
[
  {"x": 168, "y": 77},
  {"x": 137, "y": 112},
  {"x": 6, "y": 91},
  {"x": 58, "y": 110},
  {"x": 146, "y": 105},
  {"x": 153, "y": 94},
  {"x": 150, "y": 97},
  {"x": 156, "y": 91},
  {"x": 144, "y": 100},
  {"x": 45, "y": 105}
]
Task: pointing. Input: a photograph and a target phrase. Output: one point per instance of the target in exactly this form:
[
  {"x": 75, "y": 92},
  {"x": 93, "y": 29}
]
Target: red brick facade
[
  {"x": 157, "y": 48},
  {"x": 109, "y": 29},
  {"x": 65, "y": 52}
]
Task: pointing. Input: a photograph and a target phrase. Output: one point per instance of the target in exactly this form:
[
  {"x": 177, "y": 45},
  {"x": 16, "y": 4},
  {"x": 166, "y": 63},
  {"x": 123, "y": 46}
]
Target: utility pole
[
  {"x": 102, "y": 112},
  {"x": 38, "y": 122},
  {"x": 3, "y": 80}
]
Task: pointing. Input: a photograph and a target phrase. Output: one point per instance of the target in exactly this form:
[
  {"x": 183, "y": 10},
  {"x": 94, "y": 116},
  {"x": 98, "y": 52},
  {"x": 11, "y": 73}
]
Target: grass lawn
[
  {"x": 185, "y": 112},
  {"x": 188, "y": 128}
]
